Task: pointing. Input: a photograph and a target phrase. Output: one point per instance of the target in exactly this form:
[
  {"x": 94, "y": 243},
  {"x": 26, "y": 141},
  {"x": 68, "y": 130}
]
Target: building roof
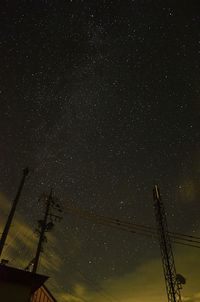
[
  {"x": 50, "y": 294},
  {"x": 43, "y": 294},
  {"x": 15, "y": 275}
]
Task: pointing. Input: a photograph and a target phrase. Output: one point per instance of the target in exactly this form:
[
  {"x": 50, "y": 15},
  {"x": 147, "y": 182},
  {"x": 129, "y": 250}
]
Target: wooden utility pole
[
  {"x": 45, "y": 225},
  {"x": 42, "y": 232},
  {"x": 12, "y": 211}
]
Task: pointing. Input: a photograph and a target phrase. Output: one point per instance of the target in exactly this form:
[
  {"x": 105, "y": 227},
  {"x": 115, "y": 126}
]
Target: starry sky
[{"x": 101, "y": 99}]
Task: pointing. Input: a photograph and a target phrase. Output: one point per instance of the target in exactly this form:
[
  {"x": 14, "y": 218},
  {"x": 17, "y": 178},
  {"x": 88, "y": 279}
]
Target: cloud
[
  {"x": 21, "y": 243},
  {"x": 78, "y": 294},
  {"x": 4, "y": 204},
  {"x": 20, "y": 236},
  {"x": 145, "y": 283},
  {"x": 188, "y": 191},
  {"x": 50, "y": 259},
  {"x": 66, "y": 297}
]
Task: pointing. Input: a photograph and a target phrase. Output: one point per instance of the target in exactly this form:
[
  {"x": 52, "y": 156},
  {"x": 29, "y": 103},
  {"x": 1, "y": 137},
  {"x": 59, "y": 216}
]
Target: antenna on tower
[{"x": 171, "y": 280}]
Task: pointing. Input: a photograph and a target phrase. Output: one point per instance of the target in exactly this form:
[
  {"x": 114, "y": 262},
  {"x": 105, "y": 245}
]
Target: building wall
[
  {"x": 14, "y": 292},
  {"x": 43, "y": 295}
]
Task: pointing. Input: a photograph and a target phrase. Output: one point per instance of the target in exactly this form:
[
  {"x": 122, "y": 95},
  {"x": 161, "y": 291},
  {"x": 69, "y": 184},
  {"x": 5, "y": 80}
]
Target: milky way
[{"x": 101, "y": 100}]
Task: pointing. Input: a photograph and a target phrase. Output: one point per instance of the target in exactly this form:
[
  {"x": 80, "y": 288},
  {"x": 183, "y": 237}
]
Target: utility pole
[
  {"x": 169, "y": 269},
  {"x": 45, "y": 226},
  {"x": 12, "y": 211}
]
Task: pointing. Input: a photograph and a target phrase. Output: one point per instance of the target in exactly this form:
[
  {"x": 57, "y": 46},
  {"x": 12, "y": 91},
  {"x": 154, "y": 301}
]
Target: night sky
[{"x": 101, "y": 99}]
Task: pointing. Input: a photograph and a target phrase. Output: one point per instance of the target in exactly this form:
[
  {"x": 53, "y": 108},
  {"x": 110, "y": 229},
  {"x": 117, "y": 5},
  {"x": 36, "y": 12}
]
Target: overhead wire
[{"x": 178, "y": 238}]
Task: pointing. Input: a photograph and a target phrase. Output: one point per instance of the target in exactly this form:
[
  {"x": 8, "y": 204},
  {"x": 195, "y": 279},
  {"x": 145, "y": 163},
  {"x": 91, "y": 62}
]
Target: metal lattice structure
[{"x": 171, "y": 282}]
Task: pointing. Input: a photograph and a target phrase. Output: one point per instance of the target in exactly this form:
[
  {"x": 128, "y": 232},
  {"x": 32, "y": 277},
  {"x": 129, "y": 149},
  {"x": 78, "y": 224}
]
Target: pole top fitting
[{"x": 156, "y": 193}]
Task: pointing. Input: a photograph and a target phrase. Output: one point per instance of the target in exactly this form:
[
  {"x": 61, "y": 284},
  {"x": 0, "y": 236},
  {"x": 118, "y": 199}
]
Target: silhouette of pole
[
  {"x": 12, "y": 211},
  {"x": 42, "y": 232}
]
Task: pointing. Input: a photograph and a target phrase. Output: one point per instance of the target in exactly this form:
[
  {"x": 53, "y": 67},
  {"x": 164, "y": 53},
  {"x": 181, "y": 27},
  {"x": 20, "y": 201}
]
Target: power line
[{"x": 177, "y": 238}]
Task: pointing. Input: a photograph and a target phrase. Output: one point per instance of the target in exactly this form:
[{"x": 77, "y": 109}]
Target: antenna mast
[
  {"x": 12, "y": 211},
  {"x": 171, "y": 282}
]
